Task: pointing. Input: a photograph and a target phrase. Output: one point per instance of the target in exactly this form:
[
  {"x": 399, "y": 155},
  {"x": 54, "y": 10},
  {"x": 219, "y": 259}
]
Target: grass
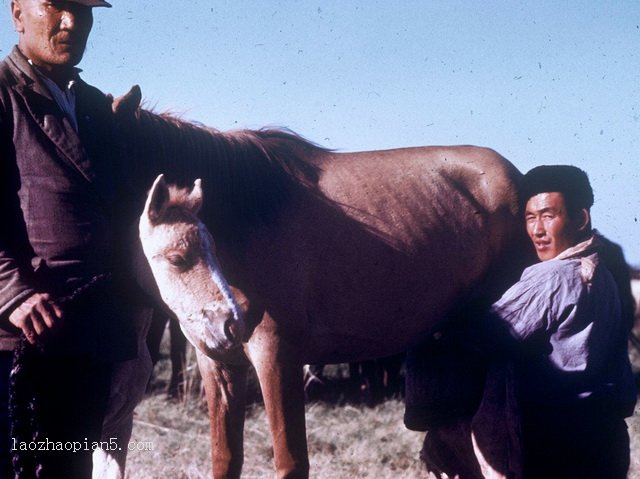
[{"x": 344, "y": 441}]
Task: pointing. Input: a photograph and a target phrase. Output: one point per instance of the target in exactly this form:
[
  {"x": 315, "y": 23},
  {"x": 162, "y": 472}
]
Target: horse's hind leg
[{"x": 225, "y": 387}]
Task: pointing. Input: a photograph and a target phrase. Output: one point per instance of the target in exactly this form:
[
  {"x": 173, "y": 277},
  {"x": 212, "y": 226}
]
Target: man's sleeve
[
  {"x": 525, "y": 307},
  {"x": 519, "y": 321},
  {"x": 15, "y": 268}
]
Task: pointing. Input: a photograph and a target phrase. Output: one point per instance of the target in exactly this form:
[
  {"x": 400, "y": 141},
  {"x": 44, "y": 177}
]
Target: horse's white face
[{"x": 181, "y": 254}]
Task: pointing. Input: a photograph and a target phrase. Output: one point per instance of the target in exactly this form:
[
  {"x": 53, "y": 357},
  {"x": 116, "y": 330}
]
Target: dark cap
[
  {"x": 569, "y": 180},
  {"x": 92, "y": 3}
]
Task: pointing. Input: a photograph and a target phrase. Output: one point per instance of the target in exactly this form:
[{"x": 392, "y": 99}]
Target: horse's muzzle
[{"x": 225, "y": 333}]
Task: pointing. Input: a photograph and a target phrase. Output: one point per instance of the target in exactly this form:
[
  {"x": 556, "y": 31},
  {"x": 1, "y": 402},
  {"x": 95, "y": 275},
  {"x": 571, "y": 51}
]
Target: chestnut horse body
[{"x": 320, "y": 257}]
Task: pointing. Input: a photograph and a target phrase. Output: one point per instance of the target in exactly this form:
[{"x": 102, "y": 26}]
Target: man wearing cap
[
  {"x": 64, "y": 281},
  {"x": 566, "y": 323}
]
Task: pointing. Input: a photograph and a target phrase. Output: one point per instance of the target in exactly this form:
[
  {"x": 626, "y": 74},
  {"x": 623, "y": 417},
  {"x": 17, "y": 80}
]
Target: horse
[
  {"x": 635, "y": 290},
  {"x": 367, "y": 382},
  {"x": 634, "y": 336},
  {"x": 307, "y": 255},
  {"x": 177, "y": 351}
]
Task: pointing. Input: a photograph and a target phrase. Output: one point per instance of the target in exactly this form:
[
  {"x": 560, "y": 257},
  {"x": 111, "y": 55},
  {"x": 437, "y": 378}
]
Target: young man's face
[
  {"x": 53, "y": 34},
  {"x": 550, "y": 227}
]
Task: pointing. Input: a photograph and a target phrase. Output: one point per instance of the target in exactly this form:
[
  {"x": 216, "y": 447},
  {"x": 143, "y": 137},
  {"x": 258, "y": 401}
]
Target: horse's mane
[{"x": 247, "y": 175}]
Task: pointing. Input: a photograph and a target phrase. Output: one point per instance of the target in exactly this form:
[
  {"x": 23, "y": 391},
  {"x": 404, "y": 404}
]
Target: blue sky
[{"x": 541, "y": 82}]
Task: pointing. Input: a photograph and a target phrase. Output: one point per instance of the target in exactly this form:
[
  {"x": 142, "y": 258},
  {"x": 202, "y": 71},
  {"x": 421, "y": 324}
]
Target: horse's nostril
[{"x": 231, "y": 330}]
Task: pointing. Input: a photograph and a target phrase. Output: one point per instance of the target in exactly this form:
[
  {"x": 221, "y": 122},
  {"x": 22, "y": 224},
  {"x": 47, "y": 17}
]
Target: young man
[
  {"x": 64, "y": 281},
  {"x": 566, "y": 323}
]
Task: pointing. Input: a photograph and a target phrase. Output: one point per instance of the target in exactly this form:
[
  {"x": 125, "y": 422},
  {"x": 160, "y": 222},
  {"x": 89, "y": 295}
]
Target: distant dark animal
[
  {"x": 377, "y": 379},
  {"x": 177, "y": 350},
  {"x": 368, "y": 382},
  {"x": 635, "y": 290},
  {"x": 634, "y": 337}
]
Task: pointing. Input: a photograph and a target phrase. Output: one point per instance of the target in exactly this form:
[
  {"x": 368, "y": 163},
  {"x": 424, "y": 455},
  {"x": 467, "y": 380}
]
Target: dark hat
[
  {"x": 569, "y": 180},
  {"x": 93, "y": 3}
]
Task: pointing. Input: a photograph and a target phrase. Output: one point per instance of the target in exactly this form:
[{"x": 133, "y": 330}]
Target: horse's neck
[{"x": 247, "y": 176}]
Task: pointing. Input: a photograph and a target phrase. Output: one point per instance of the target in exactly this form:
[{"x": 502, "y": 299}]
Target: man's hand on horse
[{"x": 39, "y": 317}]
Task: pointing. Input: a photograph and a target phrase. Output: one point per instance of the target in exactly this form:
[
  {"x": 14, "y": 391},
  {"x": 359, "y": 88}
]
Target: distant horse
[
  {"x": 635, "y": 290},
  {"x": 634, "y": 337},
  {"x": 177, "y": 350},
  {"x": 310, "y": 256},
  {"x": 368, "y": 382}
]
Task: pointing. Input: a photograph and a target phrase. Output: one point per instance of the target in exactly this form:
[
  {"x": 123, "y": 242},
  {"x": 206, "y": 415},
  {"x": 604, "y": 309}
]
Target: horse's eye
[{"x": 178, "y": 261}]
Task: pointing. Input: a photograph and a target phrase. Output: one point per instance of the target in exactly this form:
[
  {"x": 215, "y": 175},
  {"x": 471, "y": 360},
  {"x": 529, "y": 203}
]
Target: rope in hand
[{"x": 24, "y": 401}]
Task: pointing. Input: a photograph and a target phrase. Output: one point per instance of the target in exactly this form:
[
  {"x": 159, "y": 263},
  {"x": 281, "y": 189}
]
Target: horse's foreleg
[
  {"x": 225, "y": 387},
  {"x": 283, "y": 392}
]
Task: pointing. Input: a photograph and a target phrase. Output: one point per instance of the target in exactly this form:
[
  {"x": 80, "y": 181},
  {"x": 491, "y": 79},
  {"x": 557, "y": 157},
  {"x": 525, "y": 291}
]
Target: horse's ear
[
  {"x": 194, "y": 201},
  {"x": 157, "y": 200},
  {"x": 127, "y": 104}
]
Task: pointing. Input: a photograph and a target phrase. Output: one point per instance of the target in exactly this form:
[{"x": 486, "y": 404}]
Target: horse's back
[
  {"x": 399, "y": 191},
  {"x": 432, "y": 204}
]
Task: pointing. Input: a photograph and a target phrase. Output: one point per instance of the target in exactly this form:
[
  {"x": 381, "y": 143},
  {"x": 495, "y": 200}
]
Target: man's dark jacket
[{"x": 64, "y": 211}]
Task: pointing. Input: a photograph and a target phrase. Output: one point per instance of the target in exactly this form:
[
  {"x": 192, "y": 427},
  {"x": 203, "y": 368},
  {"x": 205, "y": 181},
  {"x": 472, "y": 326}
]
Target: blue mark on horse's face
[{"x": 181, "y": 254}]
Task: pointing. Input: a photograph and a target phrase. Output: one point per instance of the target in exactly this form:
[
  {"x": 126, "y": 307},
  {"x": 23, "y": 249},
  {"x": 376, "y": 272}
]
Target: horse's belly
[{"x": 375, "y": 266}]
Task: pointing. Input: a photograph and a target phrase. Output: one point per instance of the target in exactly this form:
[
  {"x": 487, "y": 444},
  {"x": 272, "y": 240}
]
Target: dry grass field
[{"x": 344, "y": 441}]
